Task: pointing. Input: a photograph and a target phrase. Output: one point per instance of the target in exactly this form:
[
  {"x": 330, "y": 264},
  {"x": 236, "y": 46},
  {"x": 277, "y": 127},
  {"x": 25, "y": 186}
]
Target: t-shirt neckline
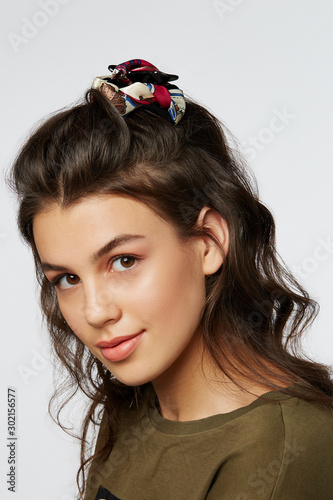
[{"x": 194, "y": 426}]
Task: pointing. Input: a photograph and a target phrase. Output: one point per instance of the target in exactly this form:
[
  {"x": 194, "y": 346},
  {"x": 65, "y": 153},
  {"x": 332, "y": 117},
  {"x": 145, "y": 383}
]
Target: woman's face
[{"x": 128, "y": 287}]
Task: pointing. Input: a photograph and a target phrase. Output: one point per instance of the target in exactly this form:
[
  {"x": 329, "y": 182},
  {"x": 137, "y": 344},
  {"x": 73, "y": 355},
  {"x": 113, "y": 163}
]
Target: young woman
[{"x": 166, "y": 302}]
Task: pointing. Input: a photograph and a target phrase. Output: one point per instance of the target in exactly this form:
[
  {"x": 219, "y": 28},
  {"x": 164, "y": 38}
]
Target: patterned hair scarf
[{"x": 137, "y": 83}]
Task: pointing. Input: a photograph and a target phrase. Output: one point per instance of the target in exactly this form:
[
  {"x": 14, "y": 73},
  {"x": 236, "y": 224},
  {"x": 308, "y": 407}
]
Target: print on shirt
[{"x": 104, "y": 494}]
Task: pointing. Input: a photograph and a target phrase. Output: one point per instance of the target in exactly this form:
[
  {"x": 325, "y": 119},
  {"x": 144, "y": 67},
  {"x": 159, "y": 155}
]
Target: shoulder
[
  {"x": 307, "y": 462},
  {"x": 275, "y": 419},
  {"x": 311, "y": 422},
  {"x": 282, "y": 449}
]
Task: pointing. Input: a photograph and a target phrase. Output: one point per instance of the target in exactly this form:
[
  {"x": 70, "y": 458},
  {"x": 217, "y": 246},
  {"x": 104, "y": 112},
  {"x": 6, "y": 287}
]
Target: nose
[{"x": 100, "y": 306}]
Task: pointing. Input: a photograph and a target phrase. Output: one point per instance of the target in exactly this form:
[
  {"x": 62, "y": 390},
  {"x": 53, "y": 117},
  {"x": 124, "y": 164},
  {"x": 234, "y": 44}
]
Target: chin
[
  {"x": 133, "y": 381},
  {"x": 129, "y": 377}
]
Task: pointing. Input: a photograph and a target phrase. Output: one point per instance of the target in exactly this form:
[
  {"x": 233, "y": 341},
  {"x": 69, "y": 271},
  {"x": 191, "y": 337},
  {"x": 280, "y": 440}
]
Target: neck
[{"x": 192, "y": 388}]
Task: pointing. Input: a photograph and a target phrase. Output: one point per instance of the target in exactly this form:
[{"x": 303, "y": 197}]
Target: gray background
[{"x": 249, "y": 61}]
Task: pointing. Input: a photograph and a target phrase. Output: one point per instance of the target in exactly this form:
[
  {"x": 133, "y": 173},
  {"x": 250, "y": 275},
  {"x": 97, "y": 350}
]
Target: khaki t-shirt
[{"x": 267, "y": 450}]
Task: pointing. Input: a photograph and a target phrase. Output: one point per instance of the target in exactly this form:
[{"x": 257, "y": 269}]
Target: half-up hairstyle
[{"x": 255, "y": 310}]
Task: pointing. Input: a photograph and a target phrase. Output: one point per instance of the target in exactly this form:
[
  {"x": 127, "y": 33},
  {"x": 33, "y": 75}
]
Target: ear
[{"x": 212, "y": 255}]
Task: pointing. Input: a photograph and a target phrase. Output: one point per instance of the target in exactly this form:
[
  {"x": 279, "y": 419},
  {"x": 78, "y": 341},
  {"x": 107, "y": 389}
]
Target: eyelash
[
  {"x": 122, "y": 256},
  {"x": 57, "y": 279}
]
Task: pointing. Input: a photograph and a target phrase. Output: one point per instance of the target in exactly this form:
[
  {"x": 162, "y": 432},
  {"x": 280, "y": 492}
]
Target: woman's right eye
[{"x": 67, "y": 281}]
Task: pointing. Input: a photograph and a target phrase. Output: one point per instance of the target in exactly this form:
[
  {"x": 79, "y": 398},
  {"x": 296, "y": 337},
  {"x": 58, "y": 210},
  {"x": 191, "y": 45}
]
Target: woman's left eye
[{"x": 123, "y": 262}]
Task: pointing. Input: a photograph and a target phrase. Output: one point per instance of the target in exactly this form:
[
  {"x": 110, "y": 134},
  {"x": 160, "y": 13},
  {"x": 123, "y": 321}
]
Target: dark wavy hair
[{"x": 255, "y": 310}]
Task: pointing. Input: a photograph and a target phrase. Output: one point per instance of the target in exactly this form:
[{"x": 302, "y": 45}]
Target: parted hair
[{"x": 255, "y": 311}]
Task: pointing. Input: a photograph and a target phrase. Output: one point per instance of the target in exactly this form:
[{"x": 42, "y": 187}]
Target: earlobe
[{"x": 214, "y": 252}]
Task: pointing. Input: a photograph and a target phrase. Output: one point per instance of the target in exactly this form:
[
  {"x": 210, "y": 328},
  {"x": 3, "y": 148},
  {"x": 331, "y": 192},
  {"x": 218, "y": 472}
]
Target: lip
[{"x": 120, "y": 347}]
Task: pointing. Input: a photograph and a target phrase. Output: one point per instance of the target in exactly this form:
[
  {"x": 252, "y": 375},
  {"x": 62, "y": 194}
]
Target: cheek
[
  {"x": 73, "y": 313},
  {"x": 168, "y": 292}
]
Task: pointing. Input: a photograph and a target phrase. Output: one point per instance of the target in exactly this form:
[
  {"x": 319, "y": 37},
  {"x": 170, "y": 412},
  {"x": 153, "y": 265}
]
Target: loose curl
[{"x": 255, "y": 310}]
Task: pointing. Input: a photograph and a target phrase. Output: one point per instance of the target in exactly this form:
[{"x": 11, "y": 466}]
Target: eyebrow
[{"x": 110, "y": 245}]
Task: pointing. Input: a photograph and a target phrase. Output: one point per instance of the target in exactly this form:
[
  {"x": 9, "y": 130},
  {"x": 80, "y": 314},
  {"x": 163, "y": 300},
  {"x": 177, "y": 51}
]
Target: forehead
[
  {"x": 92, "y": 221},
  {"x": 115, "y": 209}
]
